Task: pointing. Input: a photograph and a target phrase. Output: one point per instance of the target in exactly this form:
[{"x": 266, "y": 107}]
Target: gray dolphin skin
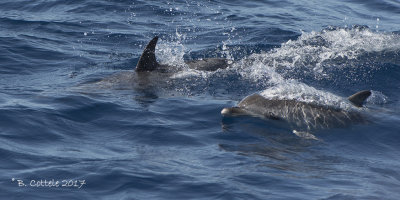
[
  {"x": 299, "y": 114},
  {"x": 148, "y": 62}
]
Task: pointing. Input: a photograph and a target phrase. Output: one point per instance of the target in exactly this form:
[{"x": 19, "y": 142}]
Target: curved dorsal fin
[
  {"x": 358, "y": 98},
  {"x": 147, "y": 61}
]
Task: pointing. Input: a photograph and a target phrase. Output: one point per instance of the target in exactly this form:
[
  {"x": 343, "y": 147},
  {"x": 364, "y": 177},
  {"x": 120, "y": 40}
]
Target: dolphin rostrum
[
  {"x": 300, "y": 114},
  {"x": 148, "y": 62}
]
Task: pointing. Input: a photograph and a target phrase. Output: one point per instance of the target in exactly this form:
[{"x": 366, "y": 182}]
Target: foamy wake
[{"x": 309, "y": 55}]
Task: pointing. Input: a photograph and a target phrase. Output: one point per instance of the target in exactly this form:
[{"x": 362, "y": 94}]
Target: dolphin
[
  {"x": 149, "y": 74},
  {"x": 148, "y": 61},
  {"x": 302, "y": 115}
]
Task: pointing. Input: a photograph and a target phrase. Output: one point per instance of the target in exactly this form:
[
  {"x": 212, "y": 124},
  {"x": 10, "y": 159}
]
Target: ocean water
[{"x": 68, "y": 131}]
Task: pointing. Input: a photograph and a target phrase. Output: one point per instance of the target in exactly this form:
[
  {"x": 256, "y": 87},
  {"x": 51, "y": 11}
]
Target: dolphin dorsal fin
[
  {"x": 358, "y": 98},
  {"x": 147, "y": 61}
]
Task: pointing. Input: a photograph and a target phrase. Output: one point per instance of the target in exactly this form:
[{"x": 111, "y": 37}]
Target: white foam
[
  {"x": 306, "y": 55},
  {"x": 310, "y": 50},
  {"x": 293, "y": 89},
  {"x": 171, "y": 53}
]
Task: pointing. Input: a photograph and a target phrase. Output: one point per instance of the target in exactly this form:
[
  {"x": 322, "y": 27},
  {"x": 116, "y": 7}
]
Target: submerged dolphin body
[
  {"x": 149, "y": 75},
  {"x": 299, "y": 114}
]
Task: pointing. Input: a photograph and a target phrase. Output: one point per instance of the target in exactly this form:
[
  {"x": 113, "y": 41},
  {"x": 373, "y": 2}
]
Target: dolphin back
[
  {"x": 208, "y": 64},
  {"x": 148, "y": 61},
  {"x": 359, "y": 98}
]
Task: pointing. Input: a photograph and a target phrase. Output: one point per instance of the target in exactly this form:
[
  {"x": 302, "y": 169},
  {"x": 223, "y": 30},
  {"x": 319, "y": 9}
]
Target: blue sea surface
[{"x": 68, "y": 131}]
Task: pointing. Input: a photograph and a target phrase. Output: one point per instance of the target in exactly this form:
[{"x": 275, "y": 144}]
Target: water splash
[
  {"x": 279, "y": 73},
  {"x": 318, "y": 53},
  {"x": 172, "y": 52},
  {"x": 298, "y": 91}
]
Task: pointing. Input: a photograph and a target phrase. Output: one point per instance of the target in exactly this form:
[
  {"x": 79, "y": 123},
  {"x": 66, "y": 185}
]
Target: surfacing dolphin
[
  {"x": 148, "y": 61},
  {"x": 149, "y": 74},
  {"x": 299, "y": 114}
]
